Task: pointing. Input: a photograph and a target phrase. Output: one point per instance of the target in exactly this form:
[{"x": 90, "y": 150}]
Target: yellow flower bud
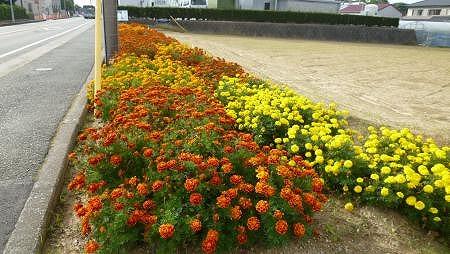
[
  {"x": 357, "y": 189},
  {"x": 384, "y": 192},
  {"x": 411, "y": 200},
  {"x": 428, "y": 188},
  {"x": 348, "y": 207}
]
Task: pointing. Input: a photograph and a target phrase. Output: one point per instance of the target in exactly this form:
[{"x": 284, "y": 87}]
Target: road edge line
[{"x": 30, "y": 231}]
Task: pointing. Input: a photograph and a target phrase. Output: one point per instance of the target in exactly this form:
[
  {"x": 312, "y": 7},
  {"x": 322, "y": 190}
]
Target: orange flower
[
  {"x": 281, "y": 227},
  {"x": 223, "y": 201},
  {"x": 209, "y": 244},
  {"x": 253, "y": 223},
  {"x": 236, "y": 213},
  {"x": 116, "y": 193},
  {"x": 166, "y": 230},
  {"x": 242, "y": 238},
  {"x": 196, "y": 199},
  {"x": 246, "y": 203},
  {"x": 262, "y": 206},
  {"x": 148, "y": 204},
  {"x": 115, "y": 160},
  {"x": 133, "y": 180},
  {"x": 148, "y": 152},
  {"x": 196, "y": 225},
  {"x": 227, "y": 168},
  {"x": 236, "y": 179},
  {"x": 157, "y": 185},
  {"x": 95, "y": 204},
  {"x": 118, "y": 206},
  {"x": 91, "y": 246},
  {"x": 213, "y": 162},
  {"x": 142, "y": 189},
  {"x": 317, "y": 185},
  {"x": 191, "y": 184},
  {"x": 299, "y": 229},
  {"x": 278, "y": 214}
]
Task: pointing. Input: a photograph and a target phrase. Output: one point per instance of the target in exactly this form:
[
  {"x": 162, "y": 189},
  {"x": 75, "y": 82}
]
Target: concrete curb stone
[{"x": 30, "y": 230}]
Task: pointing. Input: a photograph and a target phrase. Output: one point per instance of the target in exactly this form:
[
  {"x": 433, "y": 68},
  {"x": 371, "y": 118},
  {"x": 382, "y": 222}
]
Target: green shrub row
[
  {"x": 5, "y": 12},
  {"x": 259, "y": 16}
]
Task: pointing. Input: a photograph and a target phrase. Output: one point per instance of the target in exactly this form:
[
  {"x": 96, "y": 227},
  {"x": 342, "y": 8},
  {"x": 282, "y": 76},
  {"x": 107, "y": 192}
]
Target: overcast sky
[{"x": 84, "y": 2}]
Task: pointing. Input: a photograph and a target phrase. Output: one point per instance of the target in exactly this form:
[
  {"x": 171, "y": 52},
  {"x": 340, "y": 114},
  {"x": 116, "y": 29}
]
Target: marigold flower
[
  {"x": 116, "y": 193},
  {"x": 95, "y": 204},
  {"x": 148, "y": 152},
  {"x": 242, "y": 238},
  {"x": 133, "y": 180},
  {"x": 245, "y": 203},
  {"x": 223, "y": 201},
  {"x": 196, "y": 225},
  {"x": 235, "y": 213},
  {"x": 236, "y": 179},
  {"x": 166, "y": 231},
  {"x": 281, "y": 227},
  {"x": 142, "y": 189},
  {"x": 157, "y": 185},
  {"x": 115, "y": 160},
  {"x": 262, "y": 206},
  {"x": 196, "y": 199},
  {"x": 118, "y": 206},
  {"x": 91, "y": 247},
  {"x": 299, "y": 229},
  {"x": 348, "y": 207},
  {"x": 278, "y": 214},
  {"x": 253, "y": 223},
  {"x": 209, "y": 244},
  {"x": 149, "y": 204},
  {"x": 191, "y": 184}
]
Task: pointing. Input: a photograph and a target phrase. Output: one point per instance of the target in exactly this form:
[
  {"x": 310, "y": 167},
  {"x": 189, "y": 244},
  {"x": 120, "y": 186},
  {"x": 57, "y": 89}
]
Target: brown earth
[{"x": 391, "y": 85}]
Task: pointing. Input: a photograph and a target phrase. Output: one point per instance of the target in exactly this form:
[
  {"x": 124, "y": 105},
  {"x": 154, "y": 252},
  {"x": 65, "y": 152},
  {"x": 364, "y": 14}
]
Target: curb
[
  {"x": 21, "y": 22},
  {"x": 30, "y": 230}
]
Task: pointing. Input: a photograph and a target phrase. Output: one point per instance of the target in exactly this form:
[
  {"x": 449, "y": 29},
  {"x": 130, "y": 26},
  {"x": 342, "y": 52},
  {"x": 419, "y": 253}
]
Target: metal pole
[
  {"x": 110, "y": 24},
  {"x": 12, "y": 11},
  {"x": 98, "y": 46}
]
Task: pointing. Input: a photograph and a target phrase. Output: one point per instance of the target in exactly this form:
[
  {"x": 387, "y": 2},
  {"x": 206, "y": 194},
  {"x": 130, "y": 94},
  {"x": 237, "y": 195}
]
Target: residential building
[
  {"x": 164, "y": 3},
  {"x": 380, "y": 10},
  {"x": 428, "y": 9},
  {"x": 41, "y": 9},
  {"x": 327, "y": 6}
]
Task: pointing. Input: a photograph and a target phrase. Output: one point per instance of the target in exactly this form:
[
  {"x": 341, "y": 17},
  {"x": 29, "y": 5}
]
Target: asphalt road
[{"x": 42, "y": 67}]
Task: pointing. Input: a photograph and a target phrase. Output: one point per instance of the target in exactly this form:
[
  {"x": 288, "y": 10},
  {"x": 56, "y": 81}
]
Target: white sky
[{"x": 92, "y": 2}]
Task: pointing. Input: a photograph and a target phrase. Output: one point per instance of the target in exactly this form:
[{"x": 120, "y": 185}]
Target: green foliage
[
  {"x": 259, "y": 16},
  {"x": 5, "y": 12}
]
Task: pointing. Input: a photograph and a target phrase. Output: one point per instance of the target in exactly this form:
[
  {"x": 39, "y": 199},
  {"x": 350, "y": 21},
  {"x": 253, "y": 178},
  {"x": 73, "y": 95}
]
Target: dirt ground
[{"x": 397, "y": 86}]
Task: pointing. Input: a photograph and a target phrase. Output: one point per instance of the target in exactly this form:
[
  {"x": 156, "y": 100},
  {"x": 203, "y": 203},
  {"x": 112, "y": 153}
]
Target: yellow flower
[
  {"x": 370, "y": 188},
  {"x": 345, "y": 188},
  {"x": 447, "y": 198},
  {"x": 374, "y": 177},
  {"x": 384, "y": 192},
  {"x": 433, "y": 210},
  {"x": 357, "y": 189},
  {"x": 423, "y": 170},
  {"x": 400, "y": 194},
  {"x": 439, "y": 183},
  {"x": 348, "y": 207},
  {"x": 348, "y": 164},
  {"x": 400, "y": 178},
  {"x": 419, "y": 205},
  {"x": 428, "y": 188},
  {"x": 385, "y": 170},
  {"x": 291, "y": 163},
  {"x": 411, "y": 200},
  {"x": 319, "y": 159},
  {"x": 308, "y": 146},
  {"x": 437, "y": 219},
  {"x": 359, "y": 180},
  {"x": 294, "y": 148},
  {"x": 308, "y": 154},
  {"x": 278, "y": 140}
]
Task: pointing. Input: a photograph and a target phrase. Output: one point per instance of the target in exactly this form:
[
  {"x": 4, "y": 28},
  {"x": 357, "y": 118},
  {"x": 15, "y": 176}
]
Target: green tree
[
  {"x": 402, "y": 7},
  {"x": 67, "y": 5},
  {"x": 6, "y": 1}
]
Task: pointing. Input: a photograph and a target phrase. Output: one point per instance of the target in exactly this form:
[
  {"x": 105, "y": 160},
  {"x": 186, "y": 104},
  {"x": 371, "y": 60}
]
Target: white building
[
  {"x": 41, "y": 9},
  {"x": 327, "y": 6},
  {"x": 428, "y": 9},
  {"x": 380, "y": 10}
]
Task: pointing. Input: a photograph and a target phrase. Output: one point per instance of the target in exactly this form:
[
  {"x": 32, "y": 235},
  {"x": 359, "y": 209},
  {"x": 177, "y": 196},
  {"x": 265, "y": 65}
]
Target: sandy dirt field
[{"x": 397, "y": 86}]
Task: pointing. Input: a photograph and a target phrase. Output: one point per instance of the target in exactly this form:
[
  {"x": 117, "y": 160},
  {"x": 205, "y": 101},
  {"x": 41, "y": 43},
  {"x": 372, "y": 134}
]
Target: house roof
[
  {"x": 352, "y": 8},
  {"x": 357, "y": 8},
  {"x": 431, "y": 3}
]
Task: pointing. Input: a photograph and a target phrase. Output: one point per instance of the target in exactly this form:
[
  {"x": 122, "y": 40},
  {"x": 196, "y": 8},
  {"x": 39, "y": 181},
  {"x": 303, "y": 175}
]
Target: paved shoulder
[{"x": 33, "y": 100}]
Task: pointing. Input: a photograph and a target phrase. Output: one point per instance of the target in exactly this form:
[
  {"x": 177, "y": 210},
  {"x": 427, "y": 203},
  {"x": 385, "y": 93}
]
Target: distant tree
[
  {"x": 402, "y": 7},
  {"x": 68, "y": 5},
  {"x": 6, "y": 1},
  {"x": 376, "y": 1}
]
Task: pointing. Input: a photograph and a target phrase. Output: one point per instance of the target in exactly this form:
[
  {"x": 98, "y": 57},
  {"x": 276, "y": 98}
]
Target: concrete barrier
[{"x": 348, "y": 33}]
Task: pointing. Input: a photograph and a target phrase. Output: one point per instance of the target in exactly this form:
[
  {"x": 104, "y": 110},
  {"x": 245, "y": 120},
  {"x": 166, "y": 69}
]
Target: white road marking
[
  {"x": 43, "y": 69},
  {"x": 41, "y": 41}
]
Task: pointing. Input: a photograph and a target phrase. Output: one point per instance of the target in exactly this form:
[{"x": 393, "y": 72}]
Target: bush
[
  {"x": 259, "y": 16},
  {"x": 19, "y": 12}
]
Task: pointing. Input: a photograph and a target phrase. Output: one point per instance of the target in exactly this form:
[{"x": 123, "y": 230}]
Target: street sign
[{"x": 122, "y": 15}]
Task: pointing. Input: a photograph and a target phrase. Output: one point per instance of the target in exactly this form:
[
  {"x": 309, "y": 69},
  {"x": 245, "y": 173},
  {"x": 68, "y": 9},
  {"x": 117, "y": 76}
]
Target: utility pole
[
  {"x": 12, "y": 11},
  {"x": 98, "y": 46},
  {"x": 110, "y": 27}
]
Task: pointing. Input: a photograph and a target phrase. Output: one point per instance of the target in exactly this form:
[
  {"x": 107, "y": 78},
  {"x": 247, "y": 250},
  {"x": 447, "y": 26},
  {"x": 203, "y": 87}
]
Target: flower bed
[
  {"x": 172, "y": 162},
  {"x": 167, "y": 166}
]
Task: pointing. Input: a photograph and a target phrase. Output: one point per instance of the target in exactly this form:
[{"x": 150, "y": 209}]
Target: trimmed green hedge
[
  {"x": 259, "y": 16},
  {"x": 5, "y": 12}
]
